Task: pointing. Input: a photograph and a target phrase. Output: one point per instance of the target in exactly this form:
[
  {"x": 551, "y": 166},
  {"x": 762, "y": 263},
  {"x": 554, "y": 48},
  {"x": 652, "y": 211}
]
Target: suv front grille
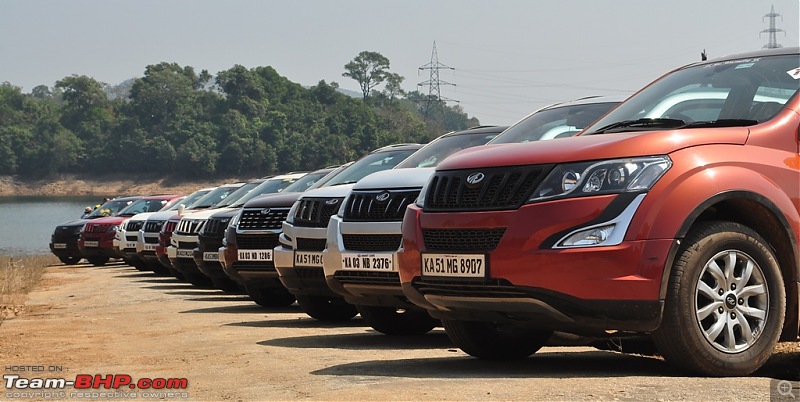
[
  {"x": 169, "y": 227},
  {"x": 448, "y": 287},
  {"x": 378, "y": 206},
  {"x": 133, "y": 226},
  {"x": 498, "y": 188},
  {"x": 89, "y": 228},
  {"x": 372, "y": 242},
  {"x": 316, "y": 212},
  {"x": 215, "y": 227},
  {"x": 256, "y": 242},
  {"x": 462, "y": 239},
  {"x": 306, "y": 244},
  {"x": 153, "y": 226},
  {"x": 263, "y": 218},
  {"x": 189, "y": 226},
  {"x": 368, "y": 278}
]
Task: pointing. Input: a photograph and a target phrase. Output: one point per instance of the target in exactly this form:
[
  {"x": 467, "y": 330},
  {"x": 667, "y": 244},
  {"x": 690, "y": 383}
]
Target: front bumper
[
  {"x": 369, "y": 283},
  {"x": 300, "y": 269},
  {"x": 257, "y": 270},
  {"x": 575, "y": 289},
  {"x": 181, "y": 253},
  {"x": 207, "y": 257},
  {"x": 98, "y": 245},
  {"x": 63, "y": 246}
]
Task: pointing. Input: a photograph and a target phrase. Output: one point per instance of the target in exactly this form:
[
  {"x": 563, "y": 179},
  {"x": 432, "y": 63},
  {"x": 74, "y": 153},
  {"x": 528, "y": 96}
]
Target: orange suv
[{"x": 677, "y": 215}]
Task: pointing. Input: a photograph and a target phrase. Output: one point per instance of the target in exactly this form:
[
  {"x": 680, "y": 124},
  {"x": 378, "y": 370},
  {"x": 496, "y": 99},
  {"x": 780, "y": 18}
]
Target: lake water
[{"x": 28, "y": 222}]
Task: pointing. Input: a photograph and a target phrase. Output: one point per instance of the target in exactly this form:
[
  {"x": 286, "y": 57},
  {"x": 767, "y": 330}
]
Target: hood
[
  {"x": 108, "y": 220},
  {"x": 395, "y": 178},
  {"x": 161, "y": 216},
  {"x": 273, "y": 200},
  {"x": 339, "y": 191},
  {"x": 205, "y": 213},
  {"x": 141, "y": 217},
  {"x": 76, "y": 222},
  {"x": 592, "y": 147},
  {"x": 226, "y": 213}
]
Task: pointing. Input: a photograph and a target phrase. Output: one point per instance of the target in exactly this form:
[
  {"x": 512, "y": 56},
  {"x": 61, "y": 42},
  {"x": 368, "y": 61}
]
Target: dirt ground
[
  {"x": 116, "y": 320},
  {"x": 99, "y": 185}
]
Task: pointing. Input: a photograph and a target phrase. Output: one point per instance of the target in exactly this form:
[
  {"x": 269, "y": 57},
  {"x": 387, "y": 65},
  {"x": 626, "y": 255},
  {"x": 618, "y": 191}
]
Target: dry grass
[{"x": 18, "y": 276}]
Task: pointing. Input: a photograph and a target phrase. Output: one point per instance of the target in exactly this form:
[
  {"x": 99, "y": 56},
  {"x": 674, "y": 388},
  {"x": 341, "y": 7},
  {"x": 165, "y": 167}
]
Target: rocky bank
[{"x": 103, "y": 186}]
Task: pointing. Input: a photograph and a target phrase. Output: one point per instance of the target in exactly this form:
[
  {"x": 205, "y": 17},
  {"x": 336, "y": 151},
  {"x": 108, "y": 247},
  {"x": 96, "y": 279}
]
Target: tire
[
  {"x": 271, "y": 297},
  {"x": 97, "y": 261},
  {"x": 719, "y": 321},
  {"x": 393, "y": 321},
  {"x": 70, "y": 260},
  {"x": 327, "y": 308},
  {"x": 495, "y": 341}
]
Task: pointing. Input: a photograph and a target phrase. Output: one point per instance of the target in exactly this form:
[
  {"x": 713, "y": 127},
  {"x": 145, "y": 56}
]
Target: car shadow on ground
[
  {"x": 248, "y": 307},
  {"x": 220, "y": 297},
  {"x": 298, "y": 322},
  {"x": 571, "y": 364},
  {"x": 367, "y": 340}
]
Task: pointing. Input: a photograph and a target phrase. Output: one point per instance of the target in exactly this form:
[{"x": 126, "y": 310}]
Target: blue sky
[{"x": 510, "y": 57}]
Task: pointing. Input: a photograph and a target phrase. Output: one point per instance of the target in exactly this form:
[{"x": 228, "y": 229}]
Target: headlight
[
  {"x": 602, "y": 177},
  {"x": 292, "y": 211},
  {"x": 113, "y": 228},
  {"x": 340, "y": 214},
  {"x": 234, "y": 222},
  {"x": 420, "y": 202}
]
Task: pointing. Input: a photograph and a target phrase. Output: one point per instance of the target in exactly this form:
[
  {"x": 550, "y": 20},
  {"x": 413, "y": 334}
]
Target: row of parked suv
[{"x": 673, "y": 214}]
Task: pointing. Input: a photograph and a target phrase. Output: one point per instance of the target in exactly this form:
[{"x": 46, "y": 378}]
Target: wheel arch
[{"x": 762, "y": 215}]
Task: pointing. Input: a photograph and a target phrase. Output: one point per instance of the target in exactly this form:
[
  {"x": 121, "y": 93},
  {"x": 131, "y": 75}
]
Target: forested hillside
[{"x": 176, "y": 121}]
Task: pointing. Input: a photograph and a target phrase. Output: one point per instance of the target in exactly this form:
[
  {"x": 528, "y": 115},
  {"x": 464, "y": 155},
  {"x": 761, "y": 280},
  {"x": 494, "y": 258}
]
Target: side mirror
[{"x": 181, "y": 209}]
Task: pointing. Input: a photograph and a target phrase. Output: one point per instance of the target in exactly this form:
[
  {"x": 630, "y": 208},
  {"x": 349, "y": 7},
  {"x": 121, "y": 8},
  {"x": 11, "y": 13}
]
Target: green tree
[
  {"x": 369, "y": 69},
  {"x": 393, "y": 88}
]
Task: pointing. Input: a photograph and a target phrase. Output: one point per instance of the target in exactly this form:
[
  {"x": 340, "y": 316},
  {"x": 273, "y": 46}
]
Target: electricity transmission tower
[
  {"x": 434, "y": 83},
  {"x": 773, "y": 43}
]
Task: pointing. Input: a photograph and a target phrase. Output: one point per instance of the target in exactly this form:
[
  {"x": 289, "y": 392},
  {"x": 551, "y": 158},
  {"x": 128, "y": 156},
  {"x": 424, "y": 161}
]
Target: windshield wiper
[
  {"x": 722, "y": 123},
  {"x": 641, "y": 123}
]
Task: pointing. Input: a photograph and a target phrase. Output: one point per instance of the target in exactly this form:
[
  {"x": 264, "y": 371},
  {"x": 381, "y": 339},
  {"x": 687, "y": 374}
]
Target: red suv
[{"x": 677, "y": 214}]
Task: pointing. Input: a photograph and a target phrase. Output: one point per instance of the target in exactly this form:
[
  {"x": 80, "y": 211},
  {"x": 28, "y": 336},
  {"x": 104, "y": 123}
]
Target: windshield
[
  {"x": 191, "y": 199},
  {"x": 110, "y": 208},
  {"x": 239, "y": 193},
  {"x": 270, "y": 186},
  {"x": 174, "y": 204},
  {"x": 730, "y": 93},
  {"x": 369, "y": 164},
  {"x": 305, "y": 182},
  {"x": 556, "y": 122},
  {"x": 434, "y": 152},
  {"x": 143, "y": 205},
  {"x": 213, "y": 197}
]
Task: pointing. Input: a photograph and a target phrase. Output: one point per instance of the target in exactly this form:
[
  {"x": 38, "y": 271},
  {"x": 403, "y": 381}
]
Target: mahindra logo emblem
[
  {"x": 265, "y": 211},
  {"x": 475, "y": 178},
  {"x": 332, "y": 201},
  {"x": 382, "y": 196}
]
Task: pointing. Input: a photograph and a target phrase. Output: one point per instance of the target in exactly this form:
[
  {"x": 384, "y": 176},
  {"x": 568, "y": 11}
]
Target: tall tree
[
  {"x": 392, "y": 88},
  {"x": 369, "y": 69}
]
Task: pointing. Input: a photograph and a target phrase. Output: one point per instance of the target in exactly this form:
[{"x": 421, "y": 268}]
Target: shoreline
[{"x": 104, "y": 185}]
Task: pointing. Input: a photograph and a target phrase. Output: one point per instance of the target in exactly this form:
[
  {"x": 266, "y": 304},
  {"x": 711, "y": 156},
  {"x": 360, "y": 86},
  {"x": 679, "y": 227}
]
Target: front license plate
[
  {"x": 210, "y": 256},
  {"x": 454, "y": 265},
  {"x": 255, "y": 255},
  {"x": 368, "y": 262},
  {"x": 308, "y": 258},
  {"x": 130, "y": 244},
  {"x": 59, "y": 245},
  {"x": 149, "y": 247},
  {"x": 91, "y": 243},
  {"x": 183, "y": 253}
]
